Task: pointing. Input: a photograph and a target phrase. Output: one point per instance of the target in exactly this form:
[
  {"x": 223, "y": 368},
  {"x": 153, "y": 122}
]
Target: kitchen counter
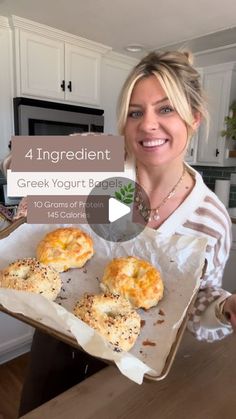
[{"x": 201, "y": 384}]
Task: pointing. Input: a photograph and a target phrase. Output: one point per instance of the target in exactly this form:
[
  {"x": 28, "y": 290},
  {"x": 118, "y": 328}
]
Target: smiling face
[{"x": 154, "y": 132}]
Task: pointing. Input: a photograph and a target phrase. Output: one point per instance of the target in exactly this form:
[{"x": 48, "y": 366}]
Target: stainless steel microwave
[{"x": 38, "y": 117}]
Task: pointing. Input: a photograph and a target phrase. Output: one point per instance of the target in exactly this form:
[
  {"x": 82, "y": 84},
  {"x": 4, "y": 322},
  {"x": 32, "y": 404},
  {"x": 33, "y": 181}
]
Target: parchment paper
[{"x": 180, "y": 260}]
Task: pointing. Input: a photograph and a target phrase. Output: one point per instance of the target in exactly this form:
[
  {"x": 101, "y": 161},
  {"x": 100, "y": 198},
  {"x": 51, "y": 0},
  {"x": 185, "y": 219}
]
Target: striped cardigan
[{"x": 202, "y": 214}]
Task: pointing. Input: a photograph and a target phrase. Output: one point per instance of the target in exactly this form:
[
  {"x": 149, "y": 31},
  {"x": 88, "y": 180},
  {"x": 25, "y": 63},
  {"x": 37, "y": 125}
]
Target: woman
[{"x": 161, "y": 106}]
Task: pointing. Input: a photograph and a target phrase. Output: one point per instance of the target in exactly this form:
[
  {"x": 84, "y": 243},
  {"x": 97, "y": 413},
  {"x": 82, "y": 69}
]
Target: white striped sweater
[{"x": 203, "y": 214}]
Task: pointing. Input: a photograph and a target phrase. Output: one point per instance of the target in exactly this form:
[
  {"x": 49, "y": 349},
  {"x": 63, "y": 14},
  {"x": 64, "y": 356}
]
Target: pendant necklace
[{"x": 152, "y": 214}]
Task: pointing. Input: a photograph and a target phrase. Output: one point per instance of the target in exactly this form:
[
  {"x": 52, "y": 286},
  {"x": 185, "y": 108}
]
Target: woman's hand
[
  {"x": 229, "y": 310},
  {"x": 21, "y": 210}
]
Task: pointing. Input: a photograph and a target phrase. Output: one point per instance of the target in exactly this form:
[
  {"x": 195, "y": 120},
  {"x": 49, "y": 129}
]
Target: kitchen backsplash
[{"x": 210, "y": 174}]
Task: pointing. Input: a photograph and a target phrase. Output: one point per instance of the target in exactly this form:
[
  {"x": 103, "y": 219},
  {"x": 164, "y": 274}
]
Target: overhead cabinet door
[
  {"x": 220, "y": 86},
  {"x": 82, "y": 74},
  {"x": 53, "y": 69},
  {"x": 41, "y": 66},
  {"x": 216, "y": 86}
]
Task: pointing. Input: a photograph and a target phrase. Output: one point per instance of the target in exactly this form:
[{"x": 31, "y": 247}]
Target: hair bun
[{"x": 189, "y": 56}]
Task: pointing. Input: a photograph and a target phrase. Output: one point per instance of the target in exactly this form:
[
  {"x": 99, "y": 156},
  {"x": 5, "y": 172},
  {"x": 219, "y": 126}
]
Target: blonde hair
[{"x": 179, "y": 79}]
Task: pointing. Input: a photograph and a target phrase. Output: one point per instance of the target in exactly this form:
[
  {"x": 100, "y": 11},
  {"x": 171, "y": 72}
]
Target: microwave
[{"x": 39, "y": 117}]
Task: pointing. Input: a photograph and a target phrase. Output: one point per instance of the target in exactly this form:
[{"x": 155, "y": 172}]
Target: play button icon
[
  {"x": 117, "y": 210},
  {"x": 113, "y": 210}
]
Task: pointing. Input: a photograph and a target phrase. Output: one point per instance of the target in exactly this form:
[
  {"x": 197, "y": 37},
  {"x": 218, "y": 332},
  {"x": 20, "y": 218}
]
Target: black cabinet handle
[
  {"x": 217, "y": 152},
  {"x": 63, "y": 85},
  {"x": 191, "y": 153},
  {"x": 69, "y": 86}
]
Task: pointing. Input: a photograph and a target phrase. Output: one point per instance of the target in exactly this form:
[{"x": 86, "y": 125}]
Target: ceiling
[{"x": 198, "y": 25}]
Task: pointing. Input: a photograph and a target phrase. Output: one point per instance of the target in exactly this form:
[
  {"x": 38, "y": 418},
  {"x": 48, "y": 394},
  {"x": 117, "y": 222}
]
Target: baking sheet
[{"x": 180, "y": 260}]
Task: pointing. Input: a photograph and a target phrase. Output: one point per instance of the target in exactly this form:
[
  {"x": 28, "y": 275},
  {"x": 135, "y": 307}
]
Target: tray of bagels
[{"x": 126, "y": 303}]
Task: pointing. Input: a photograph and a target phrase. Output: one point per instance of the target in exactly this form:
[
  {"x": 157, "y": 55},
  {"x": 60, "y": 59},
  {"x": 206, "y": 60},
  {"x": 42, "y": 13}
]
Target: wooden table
[{"x": 200, "y": 385}]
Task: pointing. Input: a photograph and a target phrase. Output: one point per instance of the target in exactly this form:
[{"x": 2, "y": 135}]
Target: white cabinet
[
  {"x": 219, "y": 83},
  {"x": 41, "y": 66},
  {"x": 115, "y": 69},
  {"x": 191, "y": 152},
  {"x": 57, "y": 66},
  {"x": 15, "y": 338},
  {"x": 6, "y": 87},
  {"x": 82, "y": 75}
]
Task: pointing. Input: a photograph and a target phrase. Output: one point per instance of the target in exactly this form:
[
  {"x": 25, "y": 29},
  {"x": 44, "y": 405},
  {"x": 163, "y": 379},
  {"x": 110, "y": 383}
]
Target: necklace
[{"x": 152, "y": 214}]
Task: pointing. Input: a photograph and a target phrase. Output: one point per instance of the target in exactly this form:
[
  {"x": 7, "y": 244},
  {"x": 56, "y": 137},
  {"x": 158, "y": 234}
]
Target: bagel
[
  {"x": 65, "y": 248},
  {"x": 112, "y": 316},
  {"x": 135, "y": 279},
  {"x": 30, "y": 275}
]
